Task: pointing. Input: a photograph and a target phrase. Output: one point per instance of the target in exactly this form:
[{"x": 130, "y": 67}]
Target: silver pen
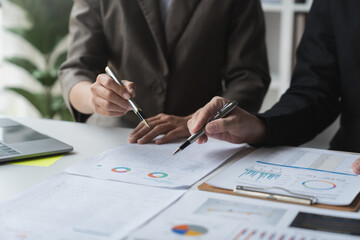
[
  {"x": 222, "y": 113},
  {"x": 133, "y": 105}
]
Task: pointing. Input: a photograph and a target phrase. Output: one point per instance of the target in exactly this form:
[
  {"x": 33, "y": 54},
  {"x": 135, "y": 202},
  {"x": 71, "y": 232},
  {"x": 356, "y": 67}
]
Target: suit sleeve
[
  {"x": 87, "y": 52},
  {"x": 313, "y": 100},
  {"x": 246, "y": 73}
]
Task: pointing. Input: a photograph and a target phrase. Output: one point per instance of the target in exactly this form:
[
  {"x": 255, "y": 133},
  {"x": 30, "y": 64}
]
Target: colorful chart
[
  {"x": 261, "y": 173},
  {"x": 121, "y": 169},
  {"x": 189, "y": 230},
  {"x": 273, "y": 234},
  {"x": 319, "y": 185},
  {"x": 158, "y": 175}
]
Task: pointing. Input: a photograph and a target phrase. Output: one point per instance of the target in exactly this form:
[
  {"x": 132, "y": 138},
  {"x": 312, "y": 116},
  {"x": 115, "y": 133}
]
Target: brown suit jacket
[{"x": 205, "y": 48}]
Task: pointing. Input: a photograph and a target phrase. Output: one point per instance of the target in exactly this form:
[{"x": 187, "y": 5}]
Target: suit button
[{"x": 158, "y": 88}]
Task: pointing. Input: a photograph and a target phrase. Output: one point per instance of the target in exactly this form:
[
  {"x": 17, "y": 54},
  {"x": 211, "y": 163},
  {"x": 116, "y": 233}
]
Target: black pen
[
  {"x": 222, "y": 113},
  {"x": 135, "y": 108}
]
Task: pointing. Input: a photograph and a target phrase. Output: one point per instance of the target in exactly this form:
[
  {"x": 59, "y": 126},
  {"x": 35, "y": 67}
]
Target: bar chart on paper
[
  {"x": 261, "y": 173},
  {"x": 261, "y": 176},
  {"x": 252, "y": 233}
]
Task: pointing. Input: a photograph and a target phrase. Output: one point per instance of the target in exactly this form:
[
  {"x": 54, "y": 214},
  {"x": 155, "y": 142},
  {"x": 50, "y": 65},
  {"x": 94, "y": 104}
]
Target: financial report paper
[
  {"x": 327, "y": 175},
  {"x": 206, "y": 215},
  {"x": 73, "y": 207},
  {"x": 155, "y": 165}
]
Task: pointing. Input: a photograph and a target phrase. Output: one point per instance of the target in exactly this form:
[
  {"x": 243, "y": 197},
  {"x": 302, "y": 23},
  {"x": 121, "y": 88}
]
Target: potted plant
[{"x": 48, "y": 27}]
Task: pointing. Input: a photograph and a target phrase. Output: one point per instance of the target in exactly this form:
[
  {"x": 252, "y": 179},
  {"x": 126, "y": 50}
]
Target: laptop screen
[{"x": 19, "y": 133}]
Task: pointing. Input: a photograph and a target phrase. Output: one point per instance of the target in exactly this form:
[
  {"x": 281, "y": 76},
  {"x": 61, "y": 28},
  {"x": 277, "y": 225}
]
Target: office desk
[{"x": 87, "y": 141}]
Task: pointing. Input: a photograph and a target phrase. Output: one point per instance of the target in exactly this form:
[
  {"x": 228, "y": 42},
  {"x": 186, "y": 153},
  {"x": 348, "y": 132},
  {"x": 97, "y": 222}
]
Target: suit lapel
[
  {"x": 177, "y": 19},
  {"x": 151, "y": 11}
]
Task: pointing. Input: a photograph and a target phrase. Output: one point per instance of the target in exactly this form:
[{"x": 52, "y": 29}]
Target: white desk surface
[{"x": 87, "y": 140}]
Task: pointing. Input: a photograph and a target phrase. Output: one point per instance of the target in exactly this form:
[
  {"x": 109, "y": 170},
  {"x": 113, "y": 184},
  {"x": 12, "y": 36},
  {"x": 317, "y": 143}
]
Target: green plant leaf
[
  {"x": 59, "y": 107},
  {"x": 46, "y": 78},
  {"x": 37, "y": 100},
  {"x": 49, "y": 22},
  {"x": 60, "y": 59},
  {"x": 23, "y": 63},
  {"x": 66, "y": 115},
  {"x": 48, "y": 26}
]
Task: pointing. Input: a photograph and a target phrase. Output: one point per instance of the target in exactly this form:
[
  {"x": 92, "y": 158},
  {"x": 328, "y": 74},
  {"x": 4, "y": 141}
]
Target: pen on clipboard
[
  {"x": 222, "y": 113},
  {"x": 262, "y": 193},
  {"x": 133, "y": 105}
]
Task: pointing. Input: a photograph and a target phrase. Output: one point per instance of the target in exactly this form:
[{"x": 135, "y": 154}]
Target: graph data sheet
[{"x": 326, "y": 175}]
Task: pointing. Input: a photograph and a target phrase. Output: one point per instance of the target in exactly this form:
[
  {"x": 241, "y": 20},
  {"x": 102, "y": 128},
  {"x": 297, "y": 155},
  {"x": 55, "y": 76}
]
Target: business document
[
  {"x": 326, "y": 175},
  {"x": 207, "y": 215},
  {"x": 155, "y": 165},
  {"x": 67, "y": 207}
]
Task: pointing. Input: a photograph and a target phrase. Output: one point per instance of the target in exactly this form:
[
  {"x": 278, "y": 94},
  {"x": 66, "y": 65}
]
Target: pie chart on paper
[
  {"x": 121, "y": 169},
  {"x": 158, "y": 175},
  {"x": 319, "y": 185},
  {"x": 189, "y": 230}
]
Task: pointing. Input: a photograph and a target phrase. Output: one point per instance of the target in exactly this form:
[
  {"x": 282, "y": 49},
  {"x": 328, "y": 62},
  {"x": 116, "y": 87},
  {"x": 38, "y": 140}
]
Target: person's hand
[
  {"x": 356, "y": 166},
  {"x": 238, "y": 126},
  {"x": 109, "y": 98},
  {"x": 172, "y": 126}
]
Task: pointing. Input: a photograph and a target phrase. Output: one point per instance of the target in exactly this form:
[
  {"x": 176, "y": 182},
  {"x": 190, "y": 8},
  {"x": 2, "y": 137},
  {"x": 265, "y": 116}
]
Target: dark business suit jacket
[
  {"x": 205, "y": 48},
  {"x": 326, "y": 80}
]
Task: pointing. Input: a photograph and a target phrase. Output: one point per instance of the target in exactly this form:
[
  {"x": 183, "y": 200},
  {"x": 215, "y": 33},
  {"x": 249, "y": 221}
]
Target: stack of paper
[
  {"x": 206, "y": 215},
  {"x": 88, "y": 207}
]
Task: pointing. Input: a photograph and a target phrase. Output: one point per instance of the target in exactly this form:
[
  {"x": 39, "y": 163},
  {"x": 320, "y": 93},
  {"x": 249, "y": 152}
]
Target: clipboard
[
  {"x": 257, "y": 193},
  {"x": 353, "y": 207}
]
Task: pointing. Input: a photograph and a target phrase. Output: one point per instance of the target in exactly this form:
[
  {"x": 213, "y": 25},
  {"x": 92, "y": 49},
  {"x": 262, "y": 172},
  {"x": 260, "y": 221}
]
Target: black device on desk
[{"x": 18, "y": 141}]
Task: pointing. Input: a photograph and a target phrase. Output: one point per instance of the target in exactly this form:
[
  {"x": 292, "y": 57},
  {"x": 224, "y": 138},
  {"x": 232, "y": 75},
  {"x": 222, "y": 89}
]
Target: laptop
[{"x": 18, "y": 141}]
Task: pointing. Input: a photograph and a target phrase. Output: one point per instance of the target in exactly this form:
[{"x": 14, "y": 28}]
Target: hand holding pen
[
  {"x": 111, "y": 73},
  {"x": 108, "y": 98},
  {"x": 225, "y": 110},
  {"x": 238, "y": 126}
]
